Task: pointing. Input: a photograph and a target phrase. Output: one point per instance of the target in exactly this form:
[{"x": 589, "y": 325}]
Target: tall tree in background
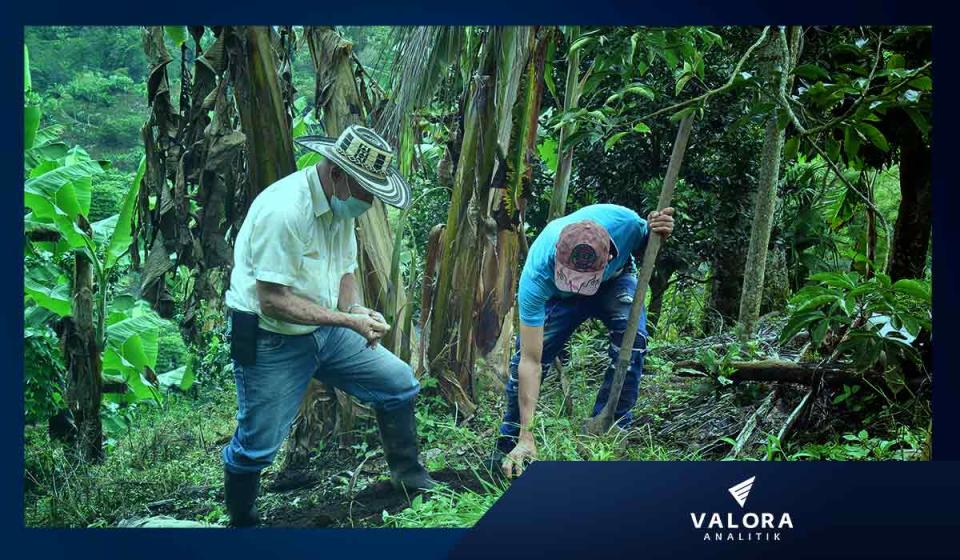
[
  {"x": 778, "y": 67},
  {"x": 571, "y": 100},
  {"x": 909, "y": 127}
]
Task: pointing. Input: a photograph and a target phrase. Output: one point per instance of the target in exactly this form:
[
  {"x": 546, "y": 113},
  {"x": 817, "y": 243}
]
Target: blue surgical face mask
[
  {"x": 352, "y": 207},
  {"x": 349, "y": 208}
]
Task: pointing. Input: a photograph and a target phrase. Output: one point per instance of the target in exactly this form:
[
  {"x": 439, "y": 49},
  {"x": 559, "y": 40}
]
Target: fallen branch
[
  {"x": 775, "y": 371},
  {"x": 751, "y": 425},
  {"x": 792, "y": 419}
]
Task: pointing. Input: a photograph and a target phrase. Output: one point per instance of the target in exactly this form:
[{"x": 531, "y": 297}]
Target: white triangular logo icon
[{"x": 742, "y": 490}]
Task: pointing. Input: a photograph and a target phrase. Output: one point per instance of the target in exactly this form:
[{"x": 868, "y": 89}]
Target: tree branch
[{"x": 721, "y": 89}]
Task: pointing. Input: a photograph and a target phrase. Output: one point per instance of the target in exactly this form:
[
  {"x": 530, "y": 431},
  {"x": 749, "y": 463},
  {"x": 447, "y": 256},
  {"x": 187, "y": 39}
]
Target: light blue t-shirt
[{"x": 627, "y": 229}]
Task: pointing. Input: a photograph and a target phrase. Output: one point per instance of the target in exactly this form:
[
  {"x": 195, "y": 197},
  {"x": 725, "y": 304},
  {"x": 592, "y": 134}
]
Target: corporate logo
[
  {"x": 742, "y": 526},
  {"x": 742, "y": 490}
]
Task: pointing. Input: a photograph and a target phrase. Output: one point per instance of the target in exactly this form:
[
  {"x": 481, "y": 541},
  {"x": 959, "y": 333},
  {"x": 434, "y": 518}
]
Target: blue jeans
[
  {"x": 611, "y": 305},
  {"x": 269, "y": 392}
]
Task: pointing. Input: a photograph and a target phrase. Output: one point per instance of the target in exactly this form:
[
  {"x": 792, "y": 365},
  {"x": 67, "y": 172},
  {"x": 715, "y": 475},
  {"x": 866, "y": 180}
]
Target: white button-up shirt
[{"x": 291, "y": 237}]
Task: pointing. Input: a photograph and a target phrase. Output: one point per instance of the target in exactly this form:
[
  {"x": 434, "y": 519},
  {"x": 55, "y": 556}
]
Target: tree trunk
[
  {"x": 81, "y": 355},
  {"x": 729, "y": 258},
  {"x": 911, "y": 234},
  {"x": 263, "y": 116},
  {"x": 471, "y": 225},
  {"x": 752, "y": 293},
  {"x": 763, "y": 213},
  {"x": 776, "y": 284},
  {"x": 871, "y": 234},
  {"x": 571, "y": 100}
]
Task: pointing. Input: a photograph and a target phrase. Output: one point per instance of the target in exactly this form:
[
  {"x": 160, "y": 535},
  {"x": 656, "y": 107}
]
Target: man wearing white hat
[{"x": 296, "y": 313}]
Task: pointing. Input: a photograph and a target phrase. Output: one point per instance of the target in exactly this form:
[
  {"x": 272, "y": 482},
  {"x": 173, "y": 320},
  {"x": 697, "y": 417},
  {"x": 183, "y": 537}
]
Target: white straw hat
[{"x": 367, "y": 157}]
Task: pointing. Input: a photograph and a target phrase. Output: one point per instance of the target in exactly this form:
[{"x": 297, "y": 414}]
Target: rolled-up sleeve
[
  {"x": 276, "y": 246},
  {"x": 349, "y": 258}
]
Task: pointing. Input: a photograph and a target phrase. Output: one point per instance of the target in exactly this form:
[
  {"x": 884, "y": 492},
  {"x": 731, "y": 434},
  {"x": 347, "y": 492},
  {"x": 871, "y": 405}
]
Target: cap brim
[
  {"x": 576, "y": 281},
  {"x": 391, "y": 189}
]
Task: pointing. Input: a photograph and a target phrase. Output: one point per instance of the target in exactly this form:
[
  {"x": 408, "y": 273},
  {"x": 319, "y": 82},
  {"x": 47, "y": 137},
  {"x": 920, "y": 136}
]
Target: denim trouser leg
[
  {"x": 563, "y": 317},
  {"x": 611, "y": 305},
  {"x": 269, "y": 392},
  {"x": 614, "y": 310}
]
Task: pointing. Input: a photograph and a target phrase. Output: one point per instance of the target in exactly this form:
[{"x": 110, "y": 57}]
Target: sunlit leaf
[
  {"x": 176, "y": 33},
  {"x": 123, "y": 234},
  {"x": 612, "y": 141}
]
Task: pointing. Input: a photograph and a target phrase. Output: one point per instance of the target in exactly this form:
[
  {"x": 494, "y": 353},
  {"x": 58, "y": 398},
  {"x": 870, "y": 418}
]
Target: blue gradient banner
[{"x": 693, "y": 510}]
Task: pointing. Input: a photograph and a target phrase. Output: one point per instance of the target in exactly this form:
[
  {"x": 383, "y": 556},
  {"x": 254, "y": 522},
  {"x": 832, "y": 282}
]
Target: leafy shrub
[
  {"x": 107, "y": 193},
  {"x": 116, "y": 130},
  {"x": 94, "y": 86},
  {"x": 43, "y": 374},
  {"x": 880, "y": 318},
  {"x": 172, "y": 352}
]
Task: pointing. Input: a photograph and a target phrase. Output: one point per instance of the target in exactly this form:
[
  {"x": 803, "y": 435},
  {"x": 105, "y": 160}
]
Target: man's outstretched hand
[
  {"x": 517, "y": 460},
  {"x": 661, "y": 221}
]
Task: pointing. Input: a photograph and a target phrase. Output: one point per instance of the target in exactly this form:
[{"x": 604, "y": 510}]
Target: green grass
[
  {"x": 176, "y": 448},
  {"x": 166, "y": 451},
  {"x": 445, "y": 508}
]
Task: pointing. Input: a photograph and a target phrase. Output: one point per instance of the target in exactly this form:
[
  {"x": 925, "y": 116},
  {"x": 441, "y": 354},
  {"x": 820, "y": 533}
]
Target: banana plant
[{"x": 57, "y": 194}]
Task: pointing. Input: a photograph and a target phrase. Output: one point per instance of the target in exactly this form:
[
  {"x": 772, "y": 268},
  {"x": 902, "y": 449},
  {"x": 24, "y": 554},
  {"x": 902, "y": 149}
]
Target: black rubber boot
[
  {"x": 240, "y": 494},
  {"x": 398, "y": 431}
]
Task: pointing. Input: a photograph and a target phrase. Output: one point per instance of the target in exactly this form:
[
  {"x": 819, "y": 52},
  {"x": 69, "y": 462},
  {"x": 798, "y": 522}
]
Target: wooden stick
[
  {"x": 566, "y": 402},
  {"x": 751, "y": 425},
  {"x": 602, "y": 422}
]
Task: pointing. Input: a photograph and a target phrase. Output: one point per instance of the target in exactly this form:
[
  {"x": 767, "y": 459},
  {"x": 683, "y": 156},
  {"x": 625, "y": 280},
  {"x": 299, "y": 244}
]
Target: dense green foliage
[{"x": 858, "y": 104}]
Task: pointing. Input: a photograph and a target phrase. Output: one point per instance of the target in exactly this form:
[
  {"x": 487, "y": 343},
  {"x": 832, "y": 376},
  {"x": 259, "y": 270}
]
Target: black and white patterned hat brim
[{"x": 391, "y": 189}]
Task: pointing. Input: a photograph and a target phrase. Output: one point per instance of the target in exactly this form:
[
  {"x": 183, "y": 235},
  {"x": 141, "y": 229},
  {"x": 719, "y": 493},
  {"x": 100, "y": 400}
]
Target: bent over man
[
  {"x": 579, "y": 267},
  {"x": 296, "y": 313}
]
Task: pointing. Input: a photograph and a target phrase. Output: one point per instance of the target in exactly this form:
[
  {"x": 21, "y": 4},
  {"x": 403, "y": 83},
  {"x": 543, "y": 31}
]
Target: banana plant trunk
[
  {"x": 81, "y": 354},
  {"x": 263, "y": 115},
  {"x": 500, "y": 260},
  {"x": 482, "y": 206},
  {"x": 325, "y": 411},
  {"x": 571, "y": 100}
]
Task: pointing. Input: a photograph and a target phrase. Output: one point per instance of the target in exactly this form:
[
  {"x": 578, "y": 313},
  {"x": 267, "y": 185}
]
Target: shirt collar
[{"x": 320, "y": 203}]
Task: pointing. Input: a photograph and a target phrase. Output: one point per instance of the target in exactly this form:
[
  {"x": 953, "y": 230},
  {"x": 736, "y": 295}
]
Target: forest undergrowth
[{"x": 170, "y": 464}]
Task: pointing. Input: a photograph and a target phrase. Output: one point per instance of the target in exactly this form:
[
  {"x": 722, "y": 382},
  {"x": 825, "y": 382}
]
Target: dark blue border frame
[{"x": 430, "y": 543}]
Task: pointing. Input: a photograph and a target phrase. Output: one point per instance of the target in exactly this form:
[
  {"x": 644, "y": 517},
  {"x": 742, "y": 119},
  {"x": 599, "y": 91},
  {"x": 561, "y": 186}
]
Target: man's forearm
[
  {"x": 528, "y": 376},
  {"x": 292, "y": 308},
  {"x": 349, "y": 294}
]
